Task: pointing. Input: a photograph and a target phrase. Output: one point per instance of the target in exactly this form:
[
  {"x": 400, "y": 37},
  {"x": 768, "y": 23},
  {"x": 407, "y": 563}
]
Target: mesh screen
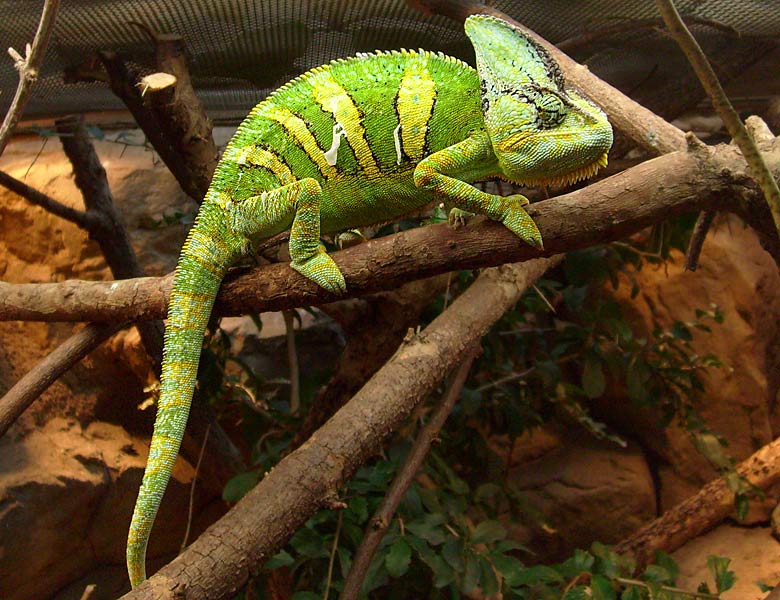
[{"x": 240, "y": 50}]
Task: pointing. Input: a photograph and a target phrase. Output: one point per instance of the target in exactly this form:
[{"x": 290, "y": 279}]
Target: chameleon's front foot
[
  {"x": 322, "y": 270},
  {"x": 514, "y": 217}
]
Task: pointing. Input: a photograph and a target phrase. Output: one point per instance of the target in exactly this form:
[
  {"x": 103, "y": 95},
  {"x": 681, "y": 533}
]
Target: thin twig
[
  {"x": 28, "y": 66},
  {"x": 292, "y": 361},
  {"x": 46, "y": 372},
  {"x": 332, "y": 560},
  {"x": 721, "y": 103},
  {"x": 703, "y": 223},
  {"x": 384, "y": 514},
  {"x": 192, "y": 488}
]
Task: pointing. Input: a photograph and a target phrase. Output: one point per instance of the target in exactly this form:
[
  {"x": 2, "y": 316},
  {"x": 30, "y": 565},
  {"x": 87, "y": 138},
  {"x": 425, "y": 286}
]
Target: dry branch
[
  {"x": 611, "y": 209},
  {"x": 222, "y": 559},
  {"x": 107, "y": 226},
  {"x": 28, "y": 66},
  {"x": 702, "y": 511},
  {"x": 125, "y": 83},
  {"x": 182, "y": 115}
]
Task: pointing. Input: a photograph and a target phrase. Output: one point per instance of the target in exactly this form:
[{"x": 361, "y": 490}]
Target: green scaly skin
[{"x": 358, "y": 142}]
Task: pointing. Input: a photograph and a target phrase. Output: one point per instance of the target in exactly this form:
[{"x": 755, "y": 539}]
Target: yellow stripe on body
[
  {"x": 261, "y": 157},
  {"x": 299, "y": 131},
  {"x": 336, "y": 100},
  {"x": 416, "y": 96}
]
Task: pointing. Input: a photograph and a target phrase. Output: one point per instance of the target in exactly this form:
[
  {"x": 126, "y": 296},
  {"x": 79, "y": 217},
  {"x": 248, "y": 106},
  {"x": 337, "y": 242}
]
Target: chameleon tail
[{"x": 205, "y": 258}]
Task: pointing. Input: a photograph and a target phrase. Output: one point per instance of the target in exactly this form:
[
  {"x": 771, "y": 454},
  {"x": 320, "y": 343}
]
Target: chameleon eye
[{"x": 550, "y": 110}]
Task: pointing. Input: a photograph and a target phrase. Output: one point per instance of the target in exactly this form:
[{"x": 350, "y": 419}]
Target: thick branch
[
  {"x": 28, "y": 66},
  {"x": 182, "y": 115},
  {"x": 702, "y": 511},
  {"x": 608, "y": 210},
  {"x": 221, "y": 560},
  {"x": 124, "y": 83}
]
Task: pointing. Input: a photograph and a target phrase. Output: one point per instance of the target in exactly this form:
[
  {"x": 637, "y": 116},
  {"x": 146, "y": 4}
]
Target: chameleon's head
[{"x": 541, "y": 132}]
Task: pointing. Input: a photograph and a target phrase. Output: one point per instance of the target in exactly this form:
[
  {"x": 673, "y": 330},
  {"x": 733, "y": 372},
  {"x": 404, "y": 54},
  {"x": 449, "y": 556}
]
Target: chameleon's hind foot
[
  {"x": 519, "y": 222},
  {"x": 458, "y": 217},
  {"x": 323, "y": 271}
]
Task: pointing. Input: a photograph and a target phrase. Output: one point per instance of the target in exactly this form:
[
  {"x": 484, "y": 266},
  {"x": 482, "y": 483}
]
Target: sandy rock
[
  {"x": 754, "y": 554},
  {"x": 585, "y": 490},
  {"x": 66, "y": 496},
  {"x": 739, "y": 400}
]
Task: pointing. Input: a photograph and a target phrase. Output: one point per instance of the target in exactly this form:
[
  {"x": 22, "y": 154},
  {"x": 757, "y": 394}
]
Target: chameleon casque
[{"x": 357, "y": 142}]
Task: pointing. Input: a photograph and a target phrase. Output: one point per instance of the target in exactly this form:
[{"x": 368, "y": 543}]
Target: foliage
[{"x": 564, "y": 345}]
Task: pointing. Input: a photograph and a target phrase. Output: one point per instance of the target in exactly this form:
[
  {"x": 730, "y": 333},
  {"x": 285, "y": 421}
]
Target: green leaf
[
  {"x": 719, "y": 567},
  {"x": 358, "y": 506},
  {"x": 579, "y": 592},
  {"x": 239, "y": 485},
  {"x": 601, "y": 588},
  {"x": 633, "y": 592},
  {"x": 471, "y": 574},
  {"x": 487, "y": 532},
  {"x": 657, "y": 574},
  {"x": 593, "y": 377},
  {"x": 452, "y": 553},
  {"x": 510, "y": 568},
  {"x": 681, "y": 332},
  {"x": 398, "y": 558},
  {"x": 536, "y": 576},
  {"x": 488, "y": 580},
  {"x": 429, "y": 528},
  {"x": 283, "y": 559},
  {"x": 667, "y": 562},
  {"x": 305, "y": 596},
  {"x": 309, "y": 543}
]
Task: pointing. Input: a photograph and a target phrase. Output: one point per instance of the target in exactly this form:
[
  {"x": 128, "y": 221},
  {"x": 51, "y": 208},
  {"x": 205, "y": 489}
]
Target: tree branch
[
  {"x": 610, "y": 209},
  {"x": 721, "y": 103},
  {"x": 702, "y": 511},
  {"x": 221, "y": 560},
  {"x": 78, "y": 217},
  {"x": 28, "y": 66}
]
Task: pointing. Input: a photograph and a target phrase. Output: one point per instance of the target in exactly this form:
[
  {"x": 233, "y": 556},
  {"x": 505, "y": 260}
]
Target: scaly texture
[{"x": 357, "y": 142}]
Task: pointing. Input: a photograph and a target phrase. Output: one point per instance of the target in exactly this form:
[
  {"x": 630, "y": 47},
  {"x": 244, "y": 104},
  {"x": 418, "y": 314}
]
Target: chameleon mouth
[{"x": 571, "y": 177}]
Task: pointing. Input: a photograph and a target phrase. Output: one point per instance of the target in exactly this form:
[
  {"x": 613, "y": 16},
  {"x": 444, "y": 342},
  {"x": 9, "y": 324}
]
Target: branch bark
[
  {"x": 610, "y": 209},
  {"x": 702, "y": 511},
  {"x": 107, "y": 227},
  {"x": 222, "y": 559}
]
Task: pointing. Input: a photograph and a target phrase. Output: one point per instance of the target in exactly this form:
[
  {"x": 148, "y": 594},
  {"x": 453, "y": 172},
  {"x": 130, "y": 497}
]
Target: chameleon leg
[
  {"x": 298, "y": 202},
  {"x": 439, "y": 172}
]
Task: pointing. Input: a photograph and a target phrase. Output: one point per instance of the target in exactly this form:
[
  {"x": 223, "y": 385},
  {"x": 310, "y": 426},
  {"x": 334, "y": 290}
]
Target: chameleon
[{"x": 358, "y": 142}]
